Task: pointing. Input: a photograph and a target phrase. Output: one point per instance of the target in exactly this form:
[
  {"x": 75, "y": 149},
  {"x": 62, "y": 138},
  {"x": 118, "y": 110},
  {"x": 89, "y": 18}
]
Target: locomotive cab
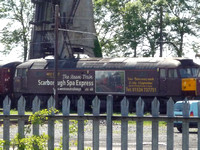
[
  {"x": 189, "y": 81},
  {"x": 189, "y": 71},
  {"x": 179, "y": 77},
  {"x": 20, "y": 79}
]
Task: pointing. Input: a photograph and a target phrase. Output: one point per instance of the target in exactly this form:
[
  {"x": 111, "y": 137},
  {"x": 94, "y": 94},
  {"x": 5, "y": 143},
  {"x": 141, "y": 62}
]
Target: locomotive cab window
[
  {"x": 172, "y": 73},
  {"x": 189, "y": 72},
  {"x": 162, "y": 73},
  {"x": 21, "y": 72},
  {"x": 18, "y": 72},
  {"x": 195, "y": 72}
]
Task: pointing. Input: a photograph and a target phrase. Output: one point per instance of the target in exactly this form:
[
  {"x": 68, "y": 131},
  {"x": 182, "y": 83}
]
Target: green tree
[
  {"x": 183, "y": 18},
  {"x": 127, "y": 26},
  {"x": 108, "y": 21},
  {"x": 134, "y": 26},
  {"x": 16, "y": 33},
  {"x": 140, "y": 25}
]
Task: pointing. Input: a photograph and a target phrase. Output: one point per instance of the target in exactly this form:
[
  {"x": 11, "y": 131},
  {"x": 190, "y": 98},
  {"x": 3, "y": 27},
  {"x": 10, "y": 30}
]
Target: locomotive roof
[
  {"x": 4, "y": 64},
  {"x": 109, "y": 63}
]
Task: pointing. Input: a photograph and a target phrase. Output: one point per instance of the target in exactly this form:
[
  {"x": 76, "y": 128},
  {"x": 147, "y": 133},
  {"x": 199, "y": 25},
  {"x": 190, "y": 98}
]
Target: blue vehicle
[{"x": 193, "y": 112}]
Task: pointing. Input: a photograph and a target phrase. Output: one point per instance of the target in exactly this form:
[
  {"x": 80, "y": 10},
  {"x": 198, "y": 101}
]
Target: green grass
[{"x": 15, "y": 112}]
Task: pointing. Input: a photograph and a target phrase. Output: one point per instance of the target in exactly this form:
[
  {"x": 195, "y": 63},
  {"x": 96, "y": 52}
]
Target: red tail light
[{"x": 191, "y": 114}]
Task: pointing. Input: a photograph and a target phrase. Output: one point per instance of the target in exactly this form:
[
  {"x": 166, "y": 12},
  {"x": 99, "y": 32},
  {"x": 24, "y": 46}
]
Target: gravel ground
[{"x": 117, "y": 136}]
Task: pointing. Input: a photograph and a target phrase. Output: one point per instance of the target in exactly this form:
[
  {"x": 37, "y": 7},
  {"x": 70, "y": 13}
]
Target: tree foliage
[
  {"x": 125, "y": 27},
  {"x": 16, "y": 33},
  {"x": 183, "y": 18},
  {"x": 132, "y": 27}
]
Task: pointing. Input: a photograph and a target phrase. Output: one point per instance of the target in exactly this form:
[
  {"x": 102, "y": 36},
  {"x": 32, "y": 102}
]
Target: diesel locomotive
[{"x": 130, "y": 77}]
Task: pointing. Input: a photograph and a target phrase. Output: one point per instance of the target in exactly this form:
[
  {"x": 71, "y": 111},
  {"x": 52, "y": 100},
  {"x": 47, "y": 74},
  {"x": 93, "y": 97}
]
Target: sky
[{"x": 15, "y": 54}]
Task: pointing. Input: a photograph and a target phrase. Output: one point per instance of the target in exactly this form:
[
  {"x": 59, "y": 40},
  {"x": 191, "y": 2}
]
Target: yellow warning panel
[{"x": 189, "y": 84}]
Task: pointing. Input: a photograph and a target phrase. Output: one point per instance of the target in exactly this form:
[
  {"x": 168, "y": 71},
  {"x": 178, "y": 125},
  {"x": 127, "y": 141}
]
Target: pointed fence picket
[
  {"x": 21, "y": 112},
  {"x": 170, "y": 125},
  {"x": 109, "y": 121},
  {"x": 155, "y": 113},
  {"x": 96, "y": 117},
  {"x": 36, "y": 108},
  {"x": 96, "y": 111},
  {"x": 81, "y": 111},
  {"x": 185, "y": 126},
  {"x": 51, "y": 106},
  {"x": 139, "y": 124},
  {"x": 65, "y": 111},
  {"x": 6, "y": 122},
  {"x": 124, "y": 124}
]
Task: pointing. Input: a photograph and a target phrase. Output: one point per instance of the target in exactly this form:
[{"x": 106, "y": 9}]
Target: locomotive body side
[
  {"x": 127, "y": 77},
  {"x": 130, "y": 77}
]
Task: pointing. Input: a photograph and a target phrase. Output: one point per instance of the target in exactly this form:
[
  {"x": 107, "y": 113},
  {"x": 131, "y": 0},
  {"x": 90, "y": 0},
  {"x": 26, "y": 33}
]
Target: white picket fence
[{"x": 96, "y": 117}]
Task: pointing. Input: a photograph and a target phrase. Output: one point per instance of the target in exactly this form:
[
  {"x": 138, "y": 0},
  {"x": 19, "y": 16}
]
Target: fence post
[
  {"x": 66, "y": 111},
  {"x": 36, "y": 108},
  {"x": 124, "y": 124},
  {"x": 170, "y": 125},
  {"x": 109, "y": 121},
  {"x": 96, "y": 111},
  {"x": 6, "y": 123},
  {"x": 155, "y": 105},
  {"x": 51, "y": 106},
  {"x": 139, "y": 124},
  {"x": 81, "y": 111},
  {"x": 185, "y": 126},
  {"x": 21, "y": 111}
]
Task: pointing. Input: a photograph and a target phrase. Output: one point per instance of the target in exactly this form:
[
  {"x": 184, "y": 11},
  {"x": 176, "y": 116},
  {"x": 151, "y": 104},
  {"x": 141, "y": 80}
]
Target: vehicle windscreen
[
  {"x": 178, "y": 107},
  {"x": 189, "y": 72}
]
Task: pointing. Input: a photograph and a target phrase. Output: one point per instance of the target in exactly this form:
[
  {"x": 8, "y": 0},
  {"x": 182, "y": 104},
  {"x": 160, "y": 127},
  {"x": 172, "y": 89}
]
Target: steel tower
[{"x": 77, "y": 32}]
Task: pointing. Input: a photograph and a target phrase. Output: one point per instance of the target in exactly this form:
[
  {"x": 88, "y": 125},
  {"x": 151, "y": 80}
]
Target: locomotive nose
[{"x": 189, "y": 86}]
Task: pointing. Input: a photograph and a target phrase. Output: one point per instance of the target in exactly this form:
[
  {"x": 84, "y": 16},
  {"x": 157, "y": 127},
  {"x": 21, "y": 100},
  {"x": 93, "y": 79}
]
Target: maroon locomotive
[
  {"x": 131, "y": 77},
  {"x": 7, "y": 71}
]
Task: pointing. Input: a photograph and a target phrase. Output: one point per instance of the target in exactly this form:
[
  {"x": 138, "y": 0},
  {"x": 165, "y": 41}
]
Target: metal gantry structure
[{"x": 77, "y": 32}]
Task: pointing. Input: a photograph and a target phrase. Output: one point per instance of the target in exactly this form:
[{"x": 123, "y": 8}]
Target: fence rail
[{"x": 96, "y": 117}]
